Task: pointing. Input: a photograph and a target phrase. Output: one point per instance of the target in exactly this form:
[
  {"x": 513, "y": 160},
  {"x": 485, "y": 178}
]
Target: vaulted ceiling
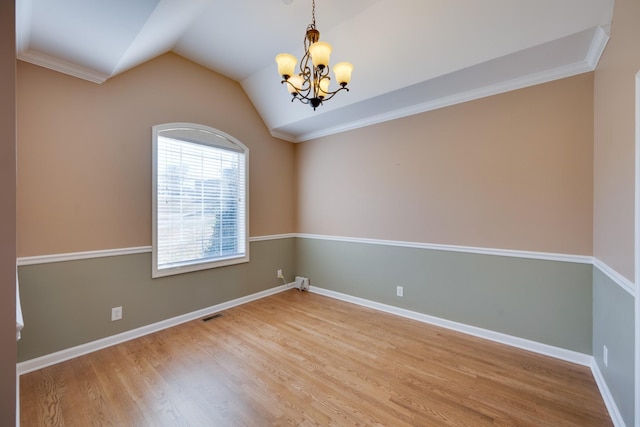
[{"x": 409, "y": 56}]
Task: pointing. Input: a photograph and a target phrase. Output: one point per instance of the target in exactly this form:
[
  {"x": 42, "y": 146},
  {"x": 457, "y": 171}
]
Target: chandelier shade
[
  {"x": 342, "y": 71},
  {"x": 286, "y": 64},
  {"x": 320, "y": 53},
  {"x": 295, "y": 84},
  {"x": 311, "y": 84}
]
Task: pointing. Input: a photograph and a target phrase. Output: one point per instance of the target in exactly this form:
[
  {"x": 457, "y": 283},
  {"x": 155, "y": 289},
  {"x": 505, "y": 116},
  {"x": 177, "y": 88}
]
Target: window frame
[{"x": 195, "y": 265}]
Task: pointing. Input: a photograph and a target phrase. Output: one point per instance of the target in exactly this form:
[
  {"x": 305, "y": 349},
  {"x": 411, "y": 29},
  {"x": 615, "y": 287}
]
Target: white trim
[
  {"x": 73, "y": 352},
  {"x": 559, "y": 353},
  {"x": 588, "y": 64},
  {"x": 284, "y": 136},
  {"x": 618, "y": 278},
  {"x": 23, "y": 24},
  {"x": 549, "y": 256},
  {"x": 598, "y": 43},
  {"x": 607, "y": 397},
  {"x": 44, "y": 259},
  {"x": 536, "y": 347},
  {"x": 272, "y": 237},
  {"x": 521, "y": 343},
  {"x": 72, "y": 256},
  {"x": 447, "y": 101},
  {"x": 211, "y": 139},
  {"x": 544, "y": 349},
  {"x": 61, "y": 66}
]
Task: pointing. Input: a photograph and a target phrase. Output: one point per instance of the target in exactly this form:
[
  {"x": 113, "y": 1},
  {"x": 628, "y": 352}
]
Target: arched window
[{"x": 200, "y": 199}]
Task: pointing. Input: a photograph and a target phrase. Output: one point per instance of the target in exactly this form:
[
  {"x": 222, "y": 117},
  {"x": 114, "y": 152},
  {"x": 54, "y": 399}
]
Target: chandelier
[{"x": 311, "y": 84}]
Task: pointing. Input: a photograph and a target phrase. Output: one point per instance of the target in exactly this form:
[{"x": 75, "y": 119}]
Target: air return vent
[{"x": 213, "y": 316}]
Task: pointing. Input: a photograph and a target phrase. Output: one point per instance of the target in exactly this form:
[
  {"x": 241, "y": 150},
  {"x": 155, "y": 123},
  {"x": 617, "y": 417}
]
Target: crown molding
[
  {"x": 284, "y": 136},
  {"x": 587, "y": 64},
  {"x": 599, "y": 42},
  {"x": 576, "y": 68},
  {"x": 23, "y": 24},
  {"x": 61, "y": 66}
]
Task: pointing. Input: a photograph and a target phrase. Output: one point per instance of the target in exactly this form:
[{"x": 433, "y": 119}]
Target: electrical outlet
[
  {"x": 279, "y": 273},
  {"x": 605, "y": 355},
  {"x": 116, "y": 313},
  {"x": 400, "y": 291}
]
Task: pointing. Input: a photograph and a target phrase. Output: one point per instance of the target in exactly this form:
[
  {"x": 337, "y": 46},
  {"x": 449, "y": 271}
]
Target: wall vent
[{"x": 213, "y": 316}]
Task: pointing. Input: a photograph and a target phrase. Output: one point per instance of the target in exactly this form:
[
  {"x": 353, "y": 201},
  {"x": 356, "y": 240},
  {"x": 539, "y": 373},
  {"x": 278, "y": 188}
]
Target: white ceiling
[{"x": 409, "y": 56}]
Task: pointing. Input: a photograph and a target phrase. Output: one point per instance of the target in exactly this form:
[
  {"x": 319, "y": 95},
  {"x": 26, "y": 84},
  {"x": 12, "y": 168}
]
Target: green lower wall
[
  {"x": 69, "y": 303},
  {"x": 567, "y": 305},
  {"x": 562, "y": 304},
  {"x": 613, "y": 320},
  {"x": 548, "y": 302}
]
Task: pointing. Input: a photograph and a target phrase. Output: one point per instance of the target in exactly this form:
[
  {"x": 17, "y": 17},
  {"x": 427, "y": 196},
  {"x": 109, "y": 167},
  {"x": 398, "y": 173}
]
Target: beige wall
[
  {"x": 614, "y": 141},
  {"x": 512, "y": 171},
  {"x": 7, "y": 214},
  {"x": 85, "y": 153}
]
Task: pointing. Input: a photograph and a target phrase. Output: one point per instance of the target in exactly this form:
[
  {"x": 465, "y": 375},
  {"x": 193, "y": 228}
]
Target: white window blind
[{"x": 200, "y": 201}]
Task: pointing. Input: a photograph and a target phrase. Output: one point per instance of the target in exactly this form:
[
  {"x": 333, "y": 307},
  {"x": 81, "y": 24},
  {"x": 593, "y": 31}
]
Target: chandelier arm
[
  {"x": 305, "y": 70},
  {"x": 302, "y": 92},
  {"x": 332, "y": 94}
]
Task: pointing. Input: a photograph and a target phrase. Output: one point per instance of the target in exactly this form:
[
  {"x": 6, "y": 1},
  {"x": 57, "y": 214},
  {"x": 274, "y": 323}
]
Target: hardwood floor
[{"x": 303, "y": 359}]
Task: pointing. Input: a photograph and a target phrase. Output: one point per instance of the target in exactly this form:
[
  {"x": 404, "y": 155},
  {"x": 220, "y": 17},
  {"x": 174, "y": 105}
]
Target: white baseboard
[
  {"x": 609, "y": 402},
  {"x": 70, "y": 353},
  {"x": 545, "y": 349},
  {"x": 536, "y": 347}
]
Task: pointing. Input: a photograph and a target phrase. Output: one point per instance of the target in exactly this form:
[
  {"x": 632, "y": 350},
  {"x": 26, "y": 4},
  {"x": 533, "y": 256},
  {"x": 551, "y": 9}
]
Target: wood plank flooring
[{"x": 301, "y": 359}]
